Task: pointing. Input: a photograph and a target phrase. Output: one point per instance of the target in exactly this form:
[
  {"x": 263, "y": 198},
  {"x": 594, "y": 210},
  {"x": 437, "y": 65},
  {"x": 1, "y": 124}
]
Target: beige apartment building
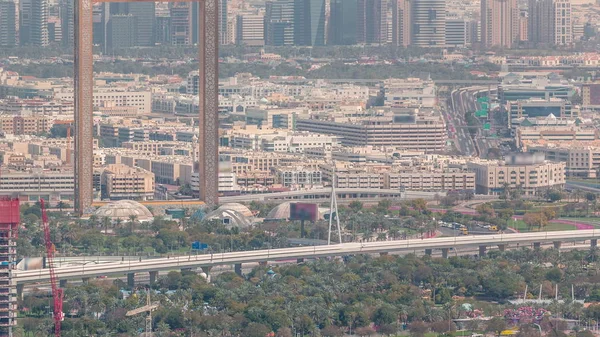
[
  {"x": 581, "y": 159},
  {"x": 525, "y": 135},
  {"x": 531, "y": 172},
  {"x": 33, "y": 184},
  {"x": 430, "y": 181},
  {"x": 123, "y": 182},
  {"x": 419, "y": 133},
  {"x": 25, "y": 125}
]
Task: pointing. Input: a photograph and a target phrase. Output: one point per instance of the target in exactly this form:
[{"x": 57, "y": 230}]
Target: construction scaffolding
[{"x": 10, "y": 217}]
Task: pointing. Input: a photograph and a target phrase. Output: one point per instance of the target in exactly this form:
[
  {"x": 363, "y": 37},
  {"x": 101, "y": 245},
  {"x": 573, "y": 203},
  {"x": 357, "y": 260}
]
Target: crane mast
[{"x": 57, "y": 293}]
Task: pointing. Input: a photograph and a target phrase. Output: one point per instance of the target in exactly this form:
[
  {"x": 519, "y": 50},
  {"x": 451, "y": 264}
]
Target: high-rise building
[
  {"x": 163, "y": 29},
  {"x": 144, "y": 12},
  {"x": 250, "y": 29},
  {"x": 181, "y": 23},
  {"x": 342, "y": 22},
  {"x": 499, "y": 23},
  {"x": 563, "y": 26},
  {"x": 100, "y": 19},
  {"x": 523, "y": 27},
  {"x": 8, "y": 25},
  {"x": 372, "y": 21},
  {"x": 54, "y": 30},
  {"x": 540, "y": 22},
  {"x": 279, "y": 23},
  {"x": 457, "y": 33},
  {"x": 223, "y": 15},
  {"x": 309, "y": 22},
  {"x": 66, "y": 8},
  {"x": 33, "y": 24},
  {"x": 429, "y": 23},
  {"x": 121, "y": 31},
  {"x": 401, "y": 22}
]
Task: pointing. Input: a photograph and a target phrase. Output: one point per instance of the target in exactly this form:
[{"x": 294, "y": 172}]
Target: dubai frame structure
[{"x": 208, "y": 58}]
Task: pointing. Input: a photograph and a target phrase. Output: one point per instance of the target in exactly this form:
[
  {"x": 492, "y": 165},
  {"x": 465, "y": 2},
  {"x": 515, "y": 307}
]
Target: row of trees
[{"x": 358, "y": 294}]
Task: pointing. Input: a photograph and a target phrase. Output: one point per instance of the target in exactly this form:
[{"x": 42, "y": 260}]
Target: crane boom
[{"x": 57, "y": 293}]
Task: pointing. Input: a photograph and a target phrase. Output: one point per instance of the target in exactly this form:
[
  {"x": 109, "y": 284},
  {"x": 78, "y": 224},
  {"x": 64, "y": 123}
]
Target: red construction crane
[{"x": 57, "y": 293}]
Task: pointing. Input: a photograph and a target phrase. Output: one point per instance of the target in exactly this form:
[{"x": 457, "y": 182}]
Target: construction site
[{"x": 9, "y": 223}]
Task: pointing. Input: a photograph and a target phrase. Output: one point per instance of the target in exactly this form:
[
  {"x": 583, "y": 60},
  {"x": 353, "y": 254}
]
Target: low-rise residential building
[
  {"x": 25, "y": 125},
  {"x": 582, "y": 159},
  {"x": 31, "y": 185},
  {"x": 124, "y": 182},
  {"x": 528, "y": 172},
  {"x": 298, "y": 176}
]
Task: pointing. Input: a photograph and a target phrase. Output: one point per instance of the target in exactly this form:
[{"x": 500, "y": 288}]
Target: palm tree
[
  {"x": 105, "y": 223},
  {"x": 132, "y": 221}
]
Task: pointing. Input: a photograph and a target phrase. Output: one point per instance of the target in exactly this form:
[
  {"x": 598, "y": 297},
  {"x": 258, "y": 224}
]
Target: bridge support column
[
  {"x": 62, "y": 283},
  {"x": 238, "y": 269},
  {"x": 594, "y": 243},
  {"x": 537, "y": 245},
  {"x": 428, "y": 251},
  {"x": 206, "y": 271},
  {"x": 383, "y": 253},
  {"x": 482, "y": 250},
  {"x": 153, "y": 276},
  {"x": 556, "y": 244},
  {"x": 301, "y": 260},
  {"x": 131, "y": 279},
  {"x": 85, "y": 279},
  {"x": 501, "y": 248},
  {"x": 445, "y": 253},
  {"x": 20, "y": 288}
]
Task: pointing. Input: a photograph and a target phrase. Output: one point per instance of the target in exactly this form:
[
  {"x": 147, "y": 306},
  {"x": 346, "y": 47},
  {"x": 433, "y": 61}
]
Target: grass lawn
[{"x": 522, "y": 227}]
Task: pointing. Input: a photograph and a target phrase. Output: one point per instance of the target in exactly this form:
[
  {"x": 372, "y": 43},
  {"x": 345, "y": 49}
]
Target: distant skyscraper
[
  {"x": 457, "y": 33},
  {"x": 279, "y": 23},
  {"x": 499, "y": 23},
  {"x": 523, "y": 26},
  {"x": 181, "y": 23},
  {"x": 401, "y": 22},
  {"x": 563, "y": 26},
  {"x": 144, "y": 12},
  {"x": 101, "y": 17},
  {"x": 429, "y": 23},
  {"x": 540, "y": 22},
  {"x": 309, "y": 22},
  {"x": 8, "y": 24},
  {"x": 66, "y": 8},
  {"x": 163, "y": 29},
  {"x": 372, "y": 21},
  {"x": 250, "y": 29},
  {"x": 33, "y": 25},
  {"x": 223, "y": 15},
  {"x": 121, "y": 31},
  {"x": 342, "y": 22}
]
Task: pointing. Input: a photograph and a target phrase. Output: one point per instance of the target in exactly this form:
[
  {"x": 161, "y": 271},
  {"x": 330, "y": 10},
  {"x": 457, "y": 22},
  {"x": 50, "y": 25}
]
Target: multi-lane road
[
  {"x": 210, "y": 260},
  {"x": 462, "y": 101}
]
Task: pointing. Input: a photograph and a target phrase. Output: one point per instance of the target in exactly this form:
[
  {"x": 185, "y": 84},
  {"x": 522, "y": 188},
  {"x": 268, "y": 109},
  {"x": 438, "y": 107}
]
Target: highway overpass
[{"x": 206, "y": 261}]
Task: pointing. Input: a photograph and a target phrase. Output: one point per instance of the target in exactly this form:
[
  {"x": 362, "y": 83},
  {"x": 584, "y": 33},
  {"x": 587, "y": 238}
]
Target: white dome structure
[
  {"x": 234, "y": 206},
  {"x": 281, "y": 211},
  {"x": 229, "y": 218},
  {"x": 123, "y": 209}
]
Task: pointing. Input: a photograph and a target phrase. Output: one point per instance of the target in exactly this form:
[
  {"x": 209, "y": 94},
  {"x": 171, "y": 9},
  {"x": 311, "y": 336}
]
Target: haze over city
[{"x": 295, "y": 168}]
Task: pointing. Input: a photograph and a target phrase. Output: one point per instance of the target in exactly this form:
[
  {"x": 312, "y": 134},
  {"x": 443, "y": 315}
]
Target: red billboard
[{"x": 304, "y": 211}]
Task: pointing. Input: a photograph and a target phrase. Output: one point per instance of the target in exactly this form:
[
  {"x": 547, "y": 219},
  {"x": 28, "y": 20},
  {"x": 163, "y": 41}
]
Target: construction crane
[
  {"x": 57, "y": 293},
  {"x": 147, "y": 308}
]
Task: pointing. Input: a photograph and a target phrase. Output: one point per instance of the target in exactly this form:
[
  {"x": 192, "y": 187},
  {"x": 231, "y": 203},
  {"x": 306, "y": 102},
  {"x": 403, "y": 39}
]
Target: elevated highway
[{"x": 207, "y": 261}]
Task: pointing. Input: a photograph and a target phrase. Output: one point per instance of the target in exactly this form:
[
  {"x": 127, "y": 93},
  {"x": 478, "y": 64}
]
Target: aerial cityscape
[{"x": 295, "y": 168}]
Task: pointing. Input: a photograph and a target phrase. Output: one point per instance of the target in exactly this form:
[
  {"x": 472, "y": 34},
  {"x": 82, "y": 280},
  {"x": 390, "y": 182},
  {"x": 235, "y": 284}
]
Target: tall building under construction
[{"x": 9, "y": 222}]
